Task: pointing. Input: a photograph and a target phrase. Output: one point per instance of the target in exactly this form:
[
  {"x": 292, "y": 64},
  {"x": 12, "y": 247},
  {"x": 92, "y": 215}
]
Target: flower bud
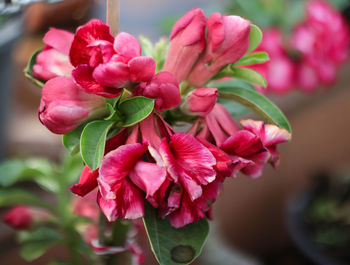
[
  {"x": 187, "y": 41},
  {"x": 64, "y": 105},
  {"x": 21, "y": 217},
  {"x": 164, "y": 89},
  {"x": 228, "y": 40},
  {"x": 200, "y": 101},
  {"x": 53, "y": 60}
]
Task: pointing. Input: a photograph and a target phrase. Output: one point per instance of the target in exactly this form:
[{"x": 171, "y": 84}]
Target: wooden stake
[{"x": 113, "y": 16}]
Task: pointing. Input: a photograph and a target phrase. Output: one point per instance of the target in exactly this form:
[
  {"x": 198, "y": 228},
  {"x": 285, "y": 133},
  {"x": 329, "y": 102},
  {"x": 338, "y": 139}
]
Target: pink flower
[
  {"x": 64, "y": 105},
  {"x": 270, "y": 135},
  {"x": 164, "y": 88},
  {"x": 228, "y": 40},
  {"x": 22, "y": 217},
  {"x": 247, "y": 153},
  {"x": 121, "y": 175},
  {"x": 323, "y": 40},
  {"x": 104, "y": 65},
  {"x": 53, "y": 61},
  {"x": 280, "y": 70},
  {"x": 187, "y": 41},
  {"x": 201, "y": 101}
]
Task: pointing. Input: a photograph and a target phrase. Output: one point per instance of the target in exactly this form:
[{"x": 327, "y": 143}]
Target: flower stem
[{"x": 113, "y": 16}]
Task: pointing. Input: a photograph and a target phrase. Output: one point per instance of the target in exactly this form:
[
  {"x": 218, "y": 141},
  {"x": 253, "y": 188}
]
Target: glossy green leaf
[
  {"x": 135, "y": 109},
  {"x": 255, "y": 37},
  {"x": 248, "y": 75},
  {"x": 12, "y": 197},
  {"x": 92, "y": 142},
  {"x": 174, "y": 246},
  {"x": 254, "y": 58},
  {"x": 28, "y": 71},
  {"x": 36, "y": 243},
  {"x": 257, "y": 103},
  {"x": 71, "y": 140}
]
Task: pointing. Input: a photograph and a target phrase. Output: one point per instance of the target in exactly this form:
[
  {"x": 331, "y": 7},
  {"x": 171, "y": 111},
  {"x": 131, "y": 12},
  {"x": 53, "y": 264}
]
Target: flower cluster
[
  {"x": 179, "y": 173},
  {"x": 312, "y": 55}
]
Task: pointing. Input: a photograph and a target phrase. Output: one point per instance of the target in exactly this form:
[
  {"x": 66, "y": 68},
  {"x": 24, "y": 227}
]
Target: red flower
[
  {"x": 104, "y": 65},
  {"x": 64, "y": 105},
  {"x": 187, "y": 41},
  {"x": 228, "y": 40},
  {"x": 53, "y": 61},
  {"x": 22, "y": 217}
]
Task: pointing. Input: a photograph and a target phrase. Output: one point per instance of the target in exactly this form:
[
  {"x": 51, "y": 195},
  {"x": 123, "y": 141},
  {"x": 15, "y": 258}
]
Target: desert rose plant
[{"x": 157, "y": 127}]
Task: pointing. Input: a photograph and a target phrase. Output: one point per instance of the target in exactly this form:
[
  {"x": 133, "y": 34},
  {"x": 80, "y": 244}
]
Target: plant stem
[{"x": 113, "y": 16}]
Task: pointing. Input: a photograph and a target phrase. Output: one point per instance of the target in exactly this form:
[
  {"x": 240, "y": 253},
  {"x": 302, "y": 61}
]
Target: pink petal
[
  {"x": 148, "y": 177},
  {"x": 116, "y": 141},
  {"x": 85, "y": 35},
  {"x": 187, "y": 214},
  {"x": 87, "y": 182},
  {"x": 51, "y": 63},
  {"x": 243, "y": 143},
  {"x": 60, "y": 40},
  {"x": 102, "y": 51},
  {"x": 149, "y": 133},
  {"x": 113, "y": 74},
  {"x": 202, "y": 100},
  {"x": 255, "y": 171},
  {"x": 82, "y": 75},
  {"x": 127, "y": 45},
  {"x": 225, "y": 120},
  {"x": 141, "y": 68},
  {"x": 275, "y": 135},
  {"x": 215, "y": 129},
  {"x": 128, "y": 203},
  {"x": 116, "y": 165}
]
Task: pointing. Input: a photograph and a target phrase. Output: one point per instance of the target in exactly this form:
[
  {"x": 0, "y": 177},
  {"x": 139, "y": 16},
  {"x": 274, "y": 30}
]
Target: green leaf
[
  {"x": 10, "y": 172},
  {"x": 257, "y": 103},
  {"x": 36, "y": 243},
  {"x": 135, "y": 109},
  {"x": 173, "y": 246},
  {"x": 255, "y": 37},
  {"x": 248, "y": 75},
  {"x": 254, "y": 58},
  {"x": 28, "y": 71},
  {"x": 12, "y": 197},
  {"x": 92, "y": 142},
  {"x": 71, "y": 140}
]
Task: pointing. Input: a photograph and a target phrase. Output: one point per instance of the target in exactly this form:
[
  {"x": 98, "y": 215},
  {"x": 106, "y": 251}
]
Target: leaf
[
  {"x": 135, "y": 109},
  {"x": 254, "y": 58},
  {"x": 248, "y": 75},
  {"x": 71, "y": 140},
  {"x": 10, "y": 172},
  {"x": 257, "y": 103},
  {"x": 92, "y": 142},
  {"x": 12, "y": 197},
  {"x": 36, "y": 243},
  {"x": 174, "y": 246},
  {"x": 28, "y": 71},
  {"x": 255, "y": 37}
]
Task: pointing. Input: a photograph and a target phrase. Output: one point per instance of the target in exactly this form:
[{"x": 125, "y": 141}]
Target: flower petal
[
  {"x": 116, "y": 165},
  {"x": 87, "y": 182},
  {"x": 127, "y": 45},
  {"x": 141, "y": 68},
  {"x": 112, "y": 74},
  {"x": 82, "y": 75},
  {"x": 60, "y": 40},
  {"x": 148, "y": 177}
]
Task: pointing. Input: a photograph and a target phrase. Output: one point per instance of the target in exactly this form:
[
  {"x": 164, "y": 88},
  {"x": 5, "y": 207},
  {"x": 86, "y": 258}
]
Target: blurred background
[{"x": 296, "y": 214}]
